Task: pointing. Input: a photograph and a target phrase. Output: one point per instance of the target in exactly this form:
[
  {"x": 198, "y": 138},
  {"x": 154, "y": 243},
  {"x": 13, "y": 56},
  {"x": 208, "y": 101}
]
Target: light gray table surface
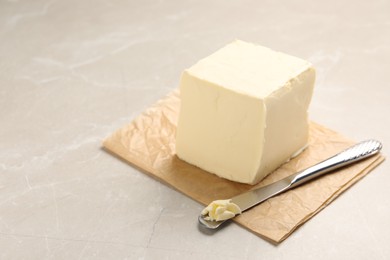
[{"x": 72, "y": 72}]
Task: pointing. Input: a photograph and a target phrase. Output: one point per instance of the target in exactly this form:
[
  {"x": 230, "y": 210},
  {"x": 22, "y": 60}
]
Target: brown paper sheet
[{"x": 149, "y": 144}]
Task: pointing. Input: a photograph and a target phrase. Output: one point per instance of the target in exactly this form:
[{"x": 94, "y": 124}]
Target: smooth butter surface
[{"x": 244, "y": 111}]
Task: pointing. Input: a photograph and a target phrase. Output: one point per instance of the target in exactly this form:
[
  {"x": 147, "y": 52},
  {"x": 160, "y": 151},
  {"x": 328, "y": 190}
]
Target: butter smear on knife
[{"x": 219, "y": 210}]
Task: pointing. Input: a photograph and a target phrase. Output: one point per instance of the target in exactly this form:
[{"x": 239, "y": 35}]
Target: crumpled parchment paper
[{"x": 148, "y": 143}]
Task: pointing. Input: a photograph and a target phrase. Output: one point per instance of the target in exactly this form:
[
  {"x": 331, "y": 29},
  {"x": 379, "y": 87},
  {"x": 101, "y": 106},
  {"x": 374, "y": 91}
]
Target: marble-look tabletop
[{"x": 72, "y": 72}]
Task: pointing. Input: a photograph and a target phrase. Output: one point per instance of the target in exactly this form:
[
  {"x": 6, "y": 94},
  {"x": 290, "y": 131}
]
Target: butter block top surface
[{"x": 249, "y": 69}]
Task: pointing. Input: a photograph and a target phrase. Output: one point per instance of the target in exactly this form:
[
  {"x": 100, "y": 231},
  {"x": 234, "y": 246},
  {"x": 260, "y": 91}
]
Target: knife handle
[{"x": 355, "y": 153}]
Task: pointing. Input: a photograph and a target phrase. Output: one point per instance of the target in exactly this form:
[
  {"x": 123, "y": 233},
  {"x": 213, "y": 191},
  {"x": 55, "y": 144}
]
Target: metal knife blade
[{"x": 252, "y": 198}]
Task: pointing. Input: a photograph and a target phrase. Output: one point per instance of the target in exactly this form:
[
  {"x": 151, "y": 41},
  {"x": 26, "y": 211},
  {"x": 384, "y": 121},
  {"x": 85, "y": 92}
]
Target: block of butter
[{"x": 244, "y": 111}]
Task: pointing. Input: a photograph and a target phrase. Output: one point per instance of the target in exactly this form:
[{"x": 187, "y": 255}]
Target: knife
[{"x": 254, "y": 197}]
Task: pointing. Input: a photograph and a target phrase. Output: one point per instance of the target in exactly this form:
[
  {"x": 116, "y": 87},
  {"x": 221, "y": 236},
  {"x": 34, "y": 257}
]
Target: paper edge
[
  {"x": 380, "y": 158},
  {"x": 150, "y": 172}
]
